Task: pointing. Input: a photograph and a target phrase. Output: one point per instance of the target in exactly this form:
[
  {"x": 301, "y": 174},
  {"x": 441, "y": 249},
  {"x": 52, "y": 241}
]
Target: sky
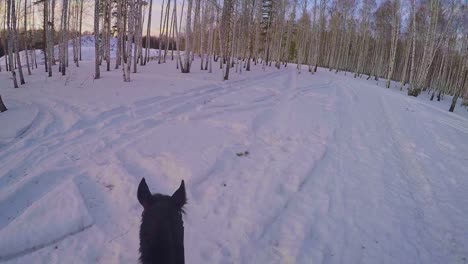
[{"x": 88, "y": 15}]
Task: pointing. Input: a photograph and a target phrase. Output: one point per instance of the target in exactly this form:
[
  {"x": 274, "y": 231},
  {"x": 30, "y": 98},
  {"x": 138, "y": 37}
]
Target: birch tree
[
  {"x": 80, "y": 26},
  {"x": 15, "y": 41},
  {"x": 25, "y": 36},
  {"x": 394, "y": 40},
  {"x": 130, "y": 35},
  {"x": 9, "y": 37},
  {"x": 225, "y": 34},
  {"x": 148, "y": 32},
  {"x": 64, "y": 31},
  {"x": 107, "y": 32},
  {"x": 188, "y": 24},
  {"x": 97, "y": 51}
]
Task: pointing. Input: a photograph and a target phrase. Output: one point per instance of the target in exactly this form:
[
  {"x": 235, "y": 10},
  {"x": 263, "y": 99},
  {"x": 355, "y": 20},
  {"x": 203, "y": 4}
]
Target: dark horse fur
[{"x": 162, "y": 227}]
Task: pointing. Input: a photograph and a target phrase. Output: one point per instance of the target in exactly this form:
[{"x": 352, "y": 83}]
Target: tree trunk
[
  {"x": 211, "y": 40},
  {"x": 64, "y": 44},
  {"x": 179, "y": 60},
  {"x": 130, "y": 30},
  {"x": 80, "y": 25},
  {"x": 44, "y": 32},
  {"x": 412, "y": 90},
  {"x": 10, "y": 44},
  {"x": 118, "y": 55},
  {"x": 394, "y": 42},
  {"x": 107, "y": 18},
  {"x": 97, "y": 73},
  {"x": 166, "y": 30},
  {"x": 52, "y": 30},
  {"x": 2, "y": 105},
  {"x": 25, "y": 40},
  {"x": 160, "y": 32},
  {"x": 188, "y": 24},
  {"x": 137, "y": 33},
  {"x": 32, "y": 37},
  {"x": 148, "y": 33},
  {"x": 226, "y": 33},
  {"x": 15, "y": 41},
  {"x": 140, "y": 33},
  {"x": 123, "y": 40},
  {"x": 49, "y": 40},
  {"x": 405, "y": 64}
]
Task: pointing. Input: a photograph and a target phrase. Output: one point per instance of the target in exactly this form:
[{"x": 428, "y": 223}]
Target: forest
[{"x": 420, "y": 44}]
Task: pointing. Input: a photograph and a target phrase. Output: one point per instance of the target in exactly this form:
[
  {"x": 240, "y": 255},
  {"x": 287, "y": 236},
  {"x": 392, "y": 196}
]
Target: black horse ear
[
  {"x": 179, "y": 197},
  {"x": 144, "y": 194}
]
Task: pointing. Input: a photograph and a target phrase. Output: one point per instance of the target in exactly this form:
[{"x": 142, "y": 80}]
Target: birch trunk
[
  {"x": 15, "y": 41},
  {"x": 10, "y": 43},
  {"x": 405, "y": 65},
  {"x": 97, "y": 73},
  {"x": 80, "y": 25},
  {"x": 226, "y": 33},
  {"x": 188, "y": 24},
  {"x": 118, "y": 55},
  {"x": 148, "y": 32},
  {"x": 52, "y": 30},
  {"x": 107, "y": 32},
  {"x": 394, "y": 44},
  {"x": 166, "y": 30},
  {"x": 413, "y": 55},
  {"x": 64, "y": 45},
  {"x": 25, "y": 39},
  {"x": 160, "y": 32},
  {"x": 130, "y": 30}
]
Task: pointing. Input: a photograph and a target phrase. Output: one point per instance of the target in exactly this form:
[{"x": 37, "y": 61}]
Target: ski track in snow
[{"x": 339, "y": 170}]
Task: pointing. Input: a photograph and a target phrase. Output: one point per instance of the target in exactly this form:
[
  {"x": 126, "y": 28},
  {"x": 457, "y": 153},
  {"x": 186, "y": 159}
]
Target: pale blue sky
[
  {"x": 156, "y": 14},
  {"x": 88, "y": 15}
]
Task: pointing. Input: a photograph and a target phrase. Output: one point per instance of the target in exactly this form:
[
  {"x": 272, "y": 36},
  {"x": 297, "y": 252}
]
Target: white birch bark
[
  {"x": 394, "y": 41},
  {"x": 148, "y": 32},
  {"x": 97, "y": 51},
  {"x": 25, "y": 39},
  {"x": 9, "y": 37},
  {"x": 15, "y": 41},
  {"x": 188, "y": 25}
]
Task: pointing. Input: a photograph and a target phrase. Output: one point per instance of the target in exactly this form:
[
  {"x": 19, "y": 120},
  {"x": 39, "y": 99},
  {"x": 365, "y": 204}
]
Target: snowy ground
[{"x": 339, "y": 170}]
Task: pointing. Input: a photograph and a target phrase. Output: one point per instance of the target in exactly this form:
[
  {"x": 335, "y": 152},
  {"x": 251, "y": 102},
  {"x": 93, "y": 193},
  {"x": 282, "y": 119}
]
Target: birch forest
[{"x": 418, "y": 45}]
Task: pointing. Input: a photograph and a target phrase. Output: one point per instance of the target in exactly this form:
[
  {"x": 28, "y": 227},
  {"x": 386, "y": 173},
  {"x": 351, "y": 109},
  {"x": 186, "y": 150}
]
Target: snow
[
  {"x": 338, "y": 170},
  {"x": 19, "y": 120},
  {"x": 31, "y": 230}
]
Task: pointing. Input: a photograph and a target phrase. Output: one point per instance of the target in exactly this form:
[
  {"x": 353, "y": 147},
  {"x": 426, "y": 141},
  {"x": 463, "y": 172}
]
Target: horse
[{"x": 162, "y": 227}]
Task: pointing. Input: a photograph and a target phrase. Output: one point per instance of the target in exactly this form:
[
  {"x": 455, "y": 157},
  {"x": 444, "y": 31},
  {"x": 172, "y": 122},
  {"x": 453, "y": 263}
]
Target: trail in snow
[{"x": 338, "y": 170}]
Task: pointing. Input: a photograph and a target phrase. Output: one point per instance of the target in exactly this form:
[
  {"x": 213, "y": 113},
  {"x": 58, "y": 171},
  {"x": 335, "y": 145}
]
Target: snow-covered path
[{"x": 280, "y": 167}]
